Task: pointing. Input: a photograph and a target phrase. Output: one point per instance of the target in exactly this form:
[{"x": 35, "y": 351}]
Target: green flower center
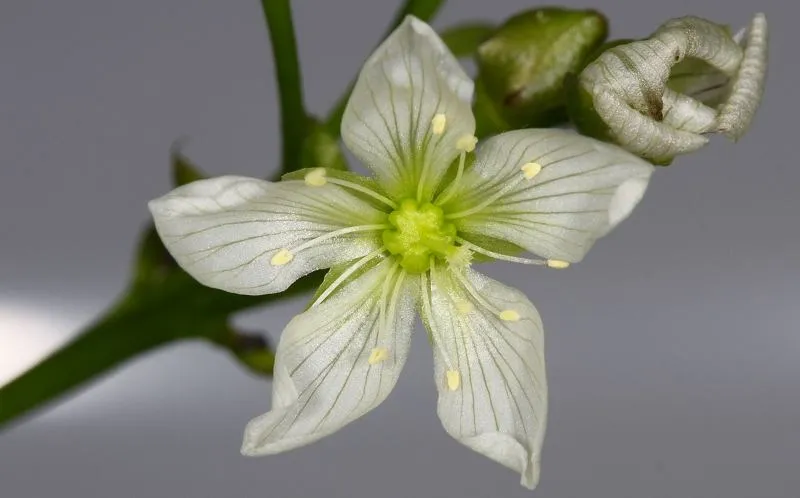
[{"x": 419, "y": 234}]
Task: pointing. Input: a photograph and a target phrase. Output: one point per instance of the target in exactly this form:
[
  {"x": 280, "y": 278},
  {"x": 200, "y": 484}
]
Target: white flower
[
  {"x": 401, "y": 242},
  {"x": 661, "y": 96}
]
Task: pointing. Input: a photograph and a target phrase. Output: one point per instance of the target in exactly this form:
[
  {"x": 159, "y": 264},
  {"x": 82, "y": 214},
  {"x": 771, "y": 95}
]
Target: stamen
[
  {"x": 382, "y": 315},
  {"x": 338, "y": 233},
  {"x": 438, "y": 123},
  {"x": 426, "y": 309},
  {"x": 281, "y": 257},
  {"x": 396, "y": 291},
  {"x": 378, "y": 355},
  {"x": 360, "y": 188},
  {"x": 453, "y": 379},
  {"x": 474, "y": 293},
  {"x": 467, "y": 143},
  {"x": 529, "y": 170},
  {"x": 345, "y": 275},
  {"x": 557, "y": 264},
  {"x": 503, "y": 257},
  {"x": 453, "y": 187},
  {"x": 509, "y": 316},
  {"x": 478, "y": 207},
  {"x": 316, "y": 177}
]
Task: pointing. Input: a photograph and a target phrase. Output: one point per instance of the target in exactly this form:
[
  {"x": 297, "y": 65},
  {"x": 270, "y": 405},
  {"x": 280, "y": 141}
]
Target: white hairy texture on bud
[{"x": 661, "y": 96}]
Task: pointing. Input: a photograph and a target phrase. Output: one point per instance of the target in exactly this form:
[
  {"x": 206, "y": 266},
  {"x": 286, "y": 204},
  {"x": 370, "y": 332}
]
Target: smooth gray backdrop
[{"x": 673, "y": 350}]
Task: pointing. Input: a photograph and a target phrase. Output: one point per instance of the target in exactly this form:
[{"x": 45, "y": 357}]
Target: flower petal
[
  {"x": 251, "y": 236},
  {"x": 489, "y": 367},
  {"x": 337, "y": 361},
  {"x": 551, "y": 192},
  {"x": 408, "y": 110}
]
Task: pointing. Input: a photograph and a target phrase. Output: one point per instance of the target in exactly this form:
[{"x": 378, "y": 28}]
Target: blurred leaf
[
  {"x": 250, "y": 349},
  {"x": 153, "y": 263},
  {"x": 488, "y": 119},
  {"x": 183, "y": 170}
]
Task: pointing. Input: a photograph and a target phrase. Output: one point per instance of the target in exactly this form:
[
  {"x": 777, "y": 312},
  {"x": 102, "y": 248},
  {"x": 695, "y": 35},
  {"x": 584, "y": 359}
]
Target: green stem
[
  {"x": 424, "y": 10},
  {"x": 177, "y": 308},
  {"x": 278, "y": 14},
  {"x": 101, "y": 347}
]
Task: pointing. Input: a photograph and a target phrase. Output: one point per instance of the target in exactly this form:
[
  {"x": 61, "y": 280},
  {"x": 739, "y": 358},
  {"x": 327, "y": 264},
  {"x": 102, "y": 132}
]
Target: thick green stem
[
  {"x": 278, "y": 14},
  {"x": 177, "y": 308},
  {"x": 103, "y": 346},
  {"x": 424, "y": 10}
]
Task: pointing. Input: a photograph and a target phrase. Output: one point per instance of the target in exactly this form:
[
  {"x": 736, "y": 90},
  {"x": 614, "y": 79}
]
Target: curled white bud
[{"x": 661, "y": 96}]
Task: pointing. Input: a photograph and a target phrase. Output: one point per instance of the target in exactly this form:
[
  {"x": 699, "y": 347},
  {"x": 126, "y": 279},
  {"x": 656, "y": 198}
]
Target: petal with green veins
[
  {"x": 337, "y": 361},
  {"x": 250, "y": 236},
  {"x": 551, "y": 192},
  {"x": 408, "y": 110},
  {"x": 489, "y": 368}
]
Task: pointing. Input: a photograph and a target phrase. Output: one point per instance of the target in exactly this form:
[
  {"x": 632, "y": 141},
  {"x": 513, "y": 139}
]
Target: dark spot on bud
[
  {"x": 655, "y": 106},
  {"x": 514, "y": 99}
]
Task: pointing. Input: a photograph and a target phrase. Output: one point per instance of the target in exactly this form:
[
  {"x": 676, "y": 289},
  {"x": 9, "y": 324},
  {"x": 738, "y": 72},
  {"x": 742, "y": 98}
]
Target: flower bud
[
  {"x": 662, "y": 96},
  {"x": 523, "y": 64}
]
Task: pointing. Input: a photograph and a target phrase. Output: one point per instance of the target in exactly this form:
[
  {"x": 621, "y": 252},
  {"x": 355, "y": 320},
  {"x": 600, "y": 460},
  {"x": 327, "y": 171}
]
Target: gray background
[{"x": 672, "y": 350}]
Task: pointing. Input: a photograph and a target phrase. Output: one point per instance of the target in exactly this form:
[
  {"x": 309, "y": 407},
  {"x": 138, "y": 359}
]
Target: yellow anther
[
  {"x": 467, "y": 143},
  {"x": 557, "y": 264},
  {"x": 378, "y": 355},
  {"x": 464, "y": 307},
  {"x": 531, "y": 169},
  {"x": 453, "y": 379},
  {"x": 509, "y": 316},
  {"x": 438, "y": 123},
  {"x": 281, "y": 257},
  {"x": 316, "y": 177}
]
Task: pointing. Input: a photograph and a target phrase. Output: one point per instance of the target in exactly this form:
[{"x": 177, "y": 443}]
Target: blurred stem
[
  {"x": 424, "y": 10},
  {"x": 278, "y": 14},
  {"x": 104, "y": 345},
  {"x": 177, "y": 308}
]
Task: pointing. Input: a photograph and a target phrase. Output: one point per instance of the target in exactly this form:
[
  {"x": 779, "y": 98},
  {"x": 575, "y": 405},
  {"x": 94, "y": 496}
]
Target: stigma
[{"x": 419, "y": 235}]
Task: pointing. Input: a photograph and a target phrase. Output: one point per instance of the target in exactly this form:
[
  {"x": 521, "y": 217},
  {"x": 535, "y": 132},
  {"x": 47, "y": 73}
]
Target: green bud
[
  {"x": 523, "y": 64},
  {"x": 464, "y": 39},
  {"x": 488, "y": 117},
  {"x": 321, "y": 149}
]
